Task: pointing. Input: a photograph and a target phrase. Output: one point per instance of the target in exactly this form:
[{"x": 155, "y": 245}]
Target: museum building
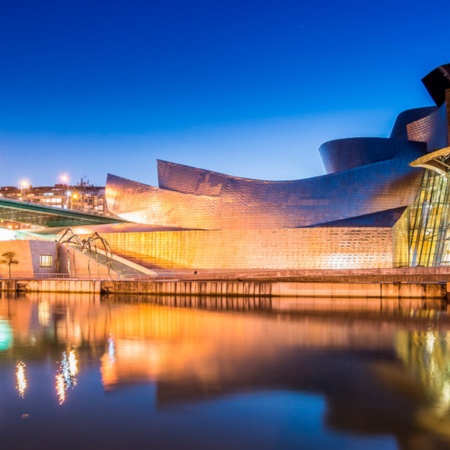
[{"x": 383, "y": 203}]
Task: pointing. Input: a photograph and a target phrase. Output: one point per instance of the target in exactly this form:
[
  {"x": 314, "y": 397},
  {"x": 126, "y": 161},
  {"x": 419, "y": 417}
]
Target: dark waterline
[{"x": 80, "y": 372}]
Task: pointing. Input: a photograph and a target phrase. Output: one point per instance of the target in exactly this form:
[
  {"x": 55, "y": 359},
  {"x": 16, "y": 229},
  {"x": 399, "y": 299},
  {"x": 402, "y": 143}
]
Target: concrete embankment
[
  {"x": 79, "y": 286},
  {"x": 234, "y": 288},
  {"x": 278, "y": 289}
]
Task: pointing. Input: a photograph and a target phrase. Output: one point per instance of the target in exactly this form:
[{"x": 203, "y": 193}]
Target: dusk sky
[{"x": 249, "y": 88}]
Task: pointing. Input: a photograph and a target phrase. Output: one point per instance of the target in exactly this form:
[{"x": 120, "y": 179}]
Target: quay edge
[{"x": 235, "y": 288}]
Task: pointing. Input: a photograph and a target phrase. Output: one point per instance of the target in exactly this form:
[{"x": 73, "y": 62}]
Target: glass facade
[{"x": 428, "y": 222}]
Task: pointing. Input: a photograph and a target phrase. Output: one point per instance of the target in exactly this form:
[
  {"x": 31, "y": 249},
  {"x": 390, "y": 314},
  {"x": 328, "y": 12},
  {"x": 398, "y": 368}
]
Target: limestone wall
[
  {"x": 28, "y": 255},
  {"x": 76, "y": 264}
]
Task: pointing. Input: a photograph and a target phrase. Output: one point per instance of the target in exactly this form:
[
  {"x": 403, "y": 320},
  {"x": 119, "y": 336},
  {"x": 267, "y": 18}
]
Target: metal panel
[
  {"x": 252, "y": 204},
  {"x": 305, "y": 248},
  {"x": 432, "y": 129},
  {"x": 345, "y": 154},
  {"x": 399, "y": 130},
  {"x": 437, "y": 82},
  {"x": 347, "y": 215}
]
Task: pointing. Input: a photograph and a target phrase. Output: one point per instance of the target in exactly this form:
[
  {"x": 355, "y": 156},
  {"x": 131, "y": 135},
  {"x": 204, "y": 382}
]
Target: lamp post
[
  {"x": 23, "y": 185},
  {"x": 64, "y": 181}
]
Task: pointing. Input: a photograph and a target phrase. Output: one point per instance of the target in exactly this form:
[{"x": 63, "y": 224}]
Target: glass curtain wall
[{"x": 428, "y": 218}]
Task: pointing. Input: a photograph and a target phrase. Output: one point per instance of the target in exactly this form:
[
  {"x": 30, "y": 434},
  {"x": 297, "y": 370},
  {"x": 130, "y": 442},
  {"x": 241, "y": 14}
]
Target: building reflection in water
[
  {"x": 21, "y": 378},
  {"x": 44, "y": 313},
  {"x": 426, "y": 354},
  {"x": 355, "y": 358}
]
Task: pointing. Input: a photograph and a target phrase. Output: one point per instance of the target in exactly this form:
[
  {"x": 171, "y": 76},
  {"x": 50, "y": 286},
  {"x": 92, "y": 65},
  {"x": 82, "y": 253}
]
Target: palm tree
[{"x": 10, "y": 259}]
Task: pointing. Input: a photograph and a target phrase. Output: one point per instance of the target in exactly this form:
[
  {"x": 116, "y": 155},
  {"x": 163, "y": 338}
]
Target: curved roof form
[
  {"x": 192, "y": 180},
  {"x": 432, "y": 129},
  {"x": 400, "y": 128},
  {"x": 368, "y": 180},
  {"x": 196, "y": 198},
  {"x": 45, "y": 216},
  {"x": 345, "y": 154}
]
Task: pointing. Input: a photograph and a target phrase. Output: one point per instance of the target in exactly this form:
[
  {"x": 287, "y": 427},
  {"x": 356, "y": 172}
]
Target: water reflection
[
  {"x": 21, "y": 378},
  {"x": 66, "y": 375},
  {"x": 426, "y": 355},
  {"x": 5, "y": 335},
  {"x": 382, "y": 369},
  {"x": 44, "y": 313}
]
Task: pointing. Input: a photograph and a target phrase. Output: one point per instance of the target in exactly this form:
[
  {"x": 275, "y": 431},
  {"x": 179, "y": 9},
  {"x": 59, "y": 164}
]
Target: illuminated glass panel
[{"x": 429, "y": 222}]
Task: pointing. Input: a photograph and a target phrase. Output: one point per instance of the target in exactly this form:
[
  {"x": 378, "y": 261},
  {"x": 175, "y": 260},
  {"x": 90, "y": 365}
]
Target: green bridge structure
[{"x": 49, "y": 217}]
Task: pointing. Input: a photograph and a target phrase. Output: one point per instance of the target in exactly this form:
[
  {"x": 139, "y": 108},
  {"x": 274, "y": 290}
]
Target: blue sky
[{"x": 249, "y": 87}]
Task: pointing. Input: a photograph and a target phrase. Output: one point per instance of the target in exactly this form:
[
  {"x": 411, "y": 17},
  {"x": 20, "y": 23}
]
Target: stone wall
[
  {"x": 77, "y": 264},
  {"x": 189, "y": 293},
  {"x": 28, "y": 255}
]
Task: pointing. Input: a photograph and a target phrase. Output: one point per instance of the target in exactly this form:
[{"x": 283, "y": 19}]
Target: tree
[{"x": 10, "y": 259}]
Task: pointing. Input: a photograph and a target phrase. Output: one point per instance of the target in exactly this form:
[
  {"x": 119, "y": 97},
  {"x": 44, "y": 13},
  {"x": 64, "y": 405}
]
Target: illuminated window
[
  {"x": 429, "y": 227},
  {"x": 46, "y": 261}
]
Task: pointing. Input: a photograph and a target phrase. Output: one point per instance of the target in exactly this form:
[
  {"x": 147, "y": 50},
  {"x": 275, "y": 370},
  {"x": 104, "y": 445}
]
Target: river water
[{"x": 84, "y": 372}]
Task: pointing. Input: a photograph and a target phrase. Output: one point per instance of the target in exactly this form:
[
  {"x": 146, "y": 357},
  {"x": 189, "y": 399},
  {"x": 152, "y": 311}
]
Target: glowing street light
[
  {"x": 64, "y": 179},
  {"x": 23, "y": 185}
]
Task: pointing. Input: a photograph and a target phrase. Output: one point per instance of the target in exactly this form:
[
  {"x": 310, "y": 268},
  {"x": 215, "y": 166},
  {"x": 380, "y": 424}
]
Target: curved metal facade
[
  {"x": 207, "y": 200},
  {"x": 345, "y": 154},
  {"x": 368, "y": 185},
  {"x": 400, "y": 128},
  {"x": 431, "y": 129}
]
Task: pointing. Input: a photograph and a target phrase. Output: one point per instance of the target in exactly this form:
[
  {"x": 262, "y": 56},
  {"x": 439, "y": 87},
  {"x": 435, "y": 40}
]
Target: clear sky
[{"x": 244, "y": 87}]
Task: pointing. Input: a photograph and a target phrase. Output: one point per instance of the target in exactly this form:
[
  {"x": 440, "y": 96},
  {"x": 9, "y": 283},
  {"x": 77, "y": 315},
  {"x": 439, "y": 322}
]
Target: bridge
[{"x": 48, "y": 216}]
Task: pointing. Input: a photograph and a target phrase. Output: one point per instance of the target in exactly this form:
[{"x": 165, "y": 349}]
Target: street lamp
[
  {"x": 23, "y": 185},
  {"x": 64, "y": 179}
]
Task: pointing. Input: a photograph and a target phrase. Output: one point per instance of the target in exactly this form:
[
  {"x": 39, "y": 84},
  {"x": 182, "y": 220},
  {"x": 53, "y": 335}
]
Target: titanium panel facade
[
  {"x": 301, "y": 248},
  {"x": 437, "y": 83},
  {"x": 203, "y": 199},
  {"x": 399, "y": 130},
  {"x": 359, "y": 215},
  {"x": 345, "y": 154},
  {"x": 432, "y": 129}
]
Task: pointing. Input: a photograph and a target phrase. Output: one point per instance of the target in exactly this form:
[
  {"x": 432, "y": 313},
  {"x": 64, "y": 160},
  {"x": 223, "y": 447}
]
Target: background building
[{"x": 80, "y": 197}]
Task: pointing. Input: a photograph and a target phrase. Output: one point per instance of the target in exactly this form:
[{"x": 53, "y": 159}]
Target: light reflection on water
[
  {"x": 21, "y": 383},
  {"x": 66, "y": 375},
  {"x": 245, "y": 373}
]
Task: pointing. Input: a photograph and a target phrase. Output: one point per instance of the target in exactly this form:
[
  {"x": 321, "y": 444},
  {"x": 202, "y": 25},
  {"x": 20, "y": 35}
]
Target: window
[{"x": 46, "y": 261}]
